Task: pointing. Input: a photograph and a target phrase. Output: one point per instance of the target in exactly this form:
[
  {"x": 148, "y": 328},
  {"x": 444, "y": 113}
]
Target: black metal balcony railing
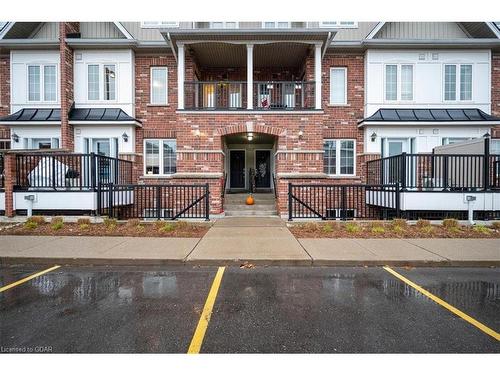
[
  {"x": 2, "y": 176},
  {"x": 435, "y": 172},
  {"x": 232, "y": 95}
]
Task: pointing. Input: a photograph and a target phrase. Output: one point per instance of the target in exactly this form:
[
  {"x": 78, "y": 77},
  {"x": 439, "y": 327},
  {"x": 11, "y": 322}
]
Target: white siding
[
  {"x": 124, "y": 61},
  {"x": 19, "y": 61},
  {"x": 34, "y": 131},
  {"x": 428, "y": 78},
  {"x": 105, "y": 131},
  {"x": 421, "y": 30}
]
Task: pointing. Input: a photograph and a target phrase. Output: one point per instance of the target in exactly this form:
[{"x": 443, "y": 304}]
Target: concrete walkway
[{"x": 260, "y": 241}]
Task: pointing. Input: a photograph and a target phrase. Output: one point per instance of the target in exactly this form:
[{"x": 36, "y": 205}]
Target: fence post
[
  {"x": 398, "y": 200},
  {"x": 486, "y": 164},
  {"x": 110, "y": 200},
  {"x": 158, "y": 202},
  {"x": 343, "y": 215},
  {"x": 403, "y": 171},
  {"x": 445, "y": 172},
  {"x": 207, "y": 202},
  {"x": 290, "y": 216},
  {"x": 98, "y": 200},
  {"x": 54, "y": 173},
  {"x": 92, "y": 170}
]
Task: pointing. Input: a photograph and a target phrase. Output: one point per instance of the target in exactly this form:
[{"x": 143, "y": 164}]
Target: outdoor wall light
[
  {"x": 15, "y": 137},
  {"x": 486, "y": 135},
  {"x": 250, "y": 137},
  {"x": 197, "y": 133},
  {"x": 301, "y": 133},
  {"x": 373, "y": 136},
  {"x": 125, "y": 137}
]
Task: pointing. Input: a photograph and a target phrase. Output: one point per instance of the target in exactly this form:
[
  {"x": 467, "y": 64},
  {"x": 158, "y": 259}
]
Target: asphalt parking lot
[{"x": 258, "y": 310}]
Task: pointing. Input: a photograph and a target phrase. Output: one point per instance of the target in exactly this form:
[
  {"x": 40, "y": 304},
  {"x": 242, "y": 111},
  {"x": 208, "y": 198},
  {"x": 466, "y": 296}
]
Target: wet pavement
[{"x": 260, "y": 310}]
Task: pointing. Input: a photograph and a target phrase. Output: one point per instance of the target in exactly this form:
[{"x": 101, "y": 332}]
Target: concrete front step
[
  {"x": 240, "y": 199},
  {"x": 244, "y": 207},
  {"x": 251, "y": 213}
]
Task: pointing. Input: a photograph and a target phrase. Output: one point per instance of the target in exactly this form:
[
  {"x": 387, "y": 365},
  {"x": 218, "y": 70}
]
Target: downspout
[
  {"x": 328, "y": 42},
  {"x": 171, "y": 46}
]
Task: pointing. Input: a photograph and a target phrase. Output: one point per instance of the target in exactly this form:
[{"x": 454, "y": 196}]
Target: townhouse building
[{"x": 247, "y": 105}]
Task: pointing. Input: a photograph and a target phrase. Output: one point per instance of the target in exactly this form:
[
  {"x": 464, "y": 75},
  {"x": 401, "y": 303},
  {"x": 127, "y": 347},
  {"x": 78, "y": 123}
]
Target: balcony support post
[
  {"x": 249, "y": 76},
  {"x": 317, "y": 75},
  {"x": 180, "y": 76}
]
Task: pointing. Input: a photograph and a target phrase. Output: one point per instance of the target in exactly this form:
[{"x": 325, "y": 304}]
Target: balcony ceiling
[
  {"x": 223, "y": 55},
  {"x": 242, "y": 138}
]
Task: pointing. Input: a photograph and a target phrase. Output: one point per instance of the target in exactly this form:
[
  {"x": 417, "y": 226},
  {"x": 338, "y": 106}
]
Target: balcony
[{"x": 233, "y": 95}]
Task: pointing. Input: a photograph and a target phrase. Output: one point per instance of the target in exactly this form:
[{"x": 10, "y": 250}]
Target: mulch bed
[
  {"x": 173, "y": 229},
  {"x": 366, "y": 230}
]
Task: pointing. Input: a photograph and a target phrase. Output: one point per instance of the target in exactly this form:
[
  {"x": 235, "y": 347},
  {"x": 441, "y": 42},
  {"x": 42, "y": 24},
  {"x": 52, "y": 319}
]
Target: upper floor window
[
  {"x": 338, "y": 86},
  {"x": 398, "y": 82},
  {"x": 42, "y": 83},
  {"x": 457, "y": 82},
  {"x": 339, "y": 24},
  {"x": 160, "y": 156},
  {"x": 158, "y": 24},
  {"x": 276, "y": 25},
  {"x": 101, "y": 89},
  {"x": 159, "y": 85},
  {"x": 339, "y": 157},
  {"x": 224, "y": 25}
]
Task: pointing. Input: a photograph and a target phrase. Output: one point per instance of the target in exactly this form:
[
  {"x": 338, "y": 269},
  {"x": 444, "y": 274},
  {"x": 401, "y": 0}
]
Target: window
[
  {"x": 105, "y": 90},
  {"x": 41, "y": 143},
  {"x": 339, "y": 157},
  {"x": 276, "y": 25},
  {"x": 398, "y": 82},
  {"x": 458, "y": 82},
  {"x": 391, "y": 82},
  {"x": 159, "y": 24},
  {"x": 161, "y": 157},
  {"x": 93, "y": 82},
  {"x": 450, "y": 141},
  {"x": 159, "y": 86},
  {"x": 338, "y": 86},
  {"x": 224, "y": 25},
  {"x": 4, "y": 144},
  {"x": 42, "y": 83},
  {"x": 338, "y": 24},
  {"x": 495, "y": 147}
]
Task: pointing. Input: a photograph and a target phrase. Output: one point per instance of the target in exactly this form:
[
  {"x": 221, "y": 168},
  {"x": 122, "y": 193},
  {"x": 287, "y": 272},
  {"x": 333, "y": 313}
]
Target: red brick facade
[
  {"x": 495, "y": 91},
  {"x": 4, "y": 92}
]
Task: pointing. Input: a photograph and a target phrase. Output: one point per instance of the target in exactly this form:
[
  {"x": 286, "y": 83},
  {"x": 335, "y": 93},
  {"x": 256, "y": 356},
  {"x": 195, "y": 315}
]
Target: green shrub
[
  {"x": 327, "y": 228},
  {"x": 398, "y": 229},
  {"x": 109, "y": 223},
  {"x": 423, "y": 224},
  {"x": 450, "y": 223},
  {"x": 399, "y": 223},
  {"x": 167, "y": 227},
  {"x": 427, "y": 229},
  {"x": 378, "y": 229},
  {"x": 30, "y": 225},
  {"x": 140, "y": 227},
  {"x": 352, "y": 228},
  {"x": 84, "y": 226},
  {"x": 56, "y": 223},
  {"x": 40, "y": 220},
  {"x": 483, "y": 229},
  {"x": 83, "y": 221}
]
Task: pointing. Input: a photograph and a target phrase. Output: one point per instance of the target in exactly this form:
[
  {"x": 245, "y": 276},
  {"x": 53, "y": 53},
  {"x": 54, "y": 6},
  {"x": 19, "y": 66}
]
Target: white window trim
[
  {"x": 159, "y": 24},
  {"x": 101, "y": 82},
  {"x": 289, "y": 25},
  {"x": 42, "y": 84},
  {"x": 344, "y": 103},
  {"x": 338, "y": 24},
  {"x": 457, "y": 83},
  {"x": 337, "y": 157},
  {"x": 151, "y": 85},
  {"x": 160, "y": 155},
  {"x": 399, "y": 82},
  {"x": 224, "y": 25}
]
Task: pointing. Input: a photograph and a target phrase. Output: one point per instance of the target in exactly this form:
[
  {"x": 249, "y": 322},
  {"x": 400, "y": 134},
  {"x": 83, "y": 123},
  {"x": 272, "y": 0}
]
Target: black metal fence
[
  {"x": 436, "y": 172},
  {"x": 284, "y": 95},
  {"x": 2, "y": 174},
  {"x": 206, "y": 95},
  {"x": 69, "y": 172},
  {"x": 343, "y": 202},
  {"x": 158, "y": 202}
]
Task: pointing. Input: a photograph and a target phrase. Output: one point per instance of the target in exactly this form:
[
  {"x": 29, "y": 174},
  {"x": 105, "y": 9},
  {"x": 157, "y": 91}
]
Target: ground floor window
[
  {"x": 4, "y": 144},
  {"x": 101, "y": 146},
  {"x": 160, "y": 156},
  {"x": 339, "y": 157},
  {"x": 452, "y": 140},
  {"x": 40, "y": 143}
]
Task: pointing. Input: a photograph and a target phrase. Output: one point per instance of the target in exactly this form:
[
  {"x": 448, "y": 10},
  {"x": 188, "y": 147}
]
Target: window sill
[
  {"x": 348, "y": 176},
  {"x": 157, "y": 176},
  {"x": 157, "y": 105},
  {"x": 339, "y": 105}
]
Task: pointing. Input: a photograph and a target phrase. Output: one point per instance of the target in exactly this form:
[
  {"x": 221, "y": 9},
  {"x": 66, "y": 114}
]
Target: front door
[
  {"x": 263, "y": 168},
  {"x": 237, "y": 169}
]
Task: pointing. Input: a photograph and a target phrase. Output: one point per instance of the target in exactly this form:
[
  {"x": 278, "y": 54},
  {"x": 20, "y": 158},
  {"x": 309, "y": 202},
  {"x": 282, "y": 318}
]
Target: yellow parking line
[
  {"x": 446, "y": 305},
  {"x": 199, "y": 334},
  {"x": 6, "y": 287}
]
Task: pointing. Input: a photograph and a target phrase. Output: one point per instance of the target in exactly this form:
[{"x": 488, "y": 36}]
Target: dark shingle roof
[
  {"x": 429, "y": 115},
  {"x": 76, "y": 114}
]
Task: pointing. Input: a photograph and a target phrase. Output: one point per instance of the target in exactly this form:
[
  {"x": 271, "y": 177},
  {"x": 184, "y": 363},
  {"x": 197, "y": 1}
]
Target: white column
[
  {"x": 180, "y": 76},
  {"x": 317, "y": 75},
  {"x": 249, "y": 76}
]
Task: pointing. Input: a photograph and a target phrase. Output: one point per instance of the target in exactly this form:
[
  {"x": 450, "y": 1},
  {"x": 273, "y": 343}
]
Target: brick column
[
  {"x": 66, "y": 82},
  {"x": 4, "y": 92},
  {"x": 10, "y": 180}
]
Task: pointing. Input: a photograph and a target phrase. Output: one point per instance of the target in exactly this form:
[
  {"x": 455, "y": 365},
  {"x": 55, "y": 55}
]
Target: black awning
[
  {"x": 76, "y": 114},
  {"x": 33, "y": 115},
  {"x": 391, "y": 115}
]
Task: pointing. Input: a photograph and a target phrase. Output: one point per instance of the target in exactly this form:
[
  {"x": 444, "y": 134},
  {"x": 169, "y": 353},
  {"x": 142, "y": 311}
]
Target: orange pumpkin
[{"x": 250, "y": 200}]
